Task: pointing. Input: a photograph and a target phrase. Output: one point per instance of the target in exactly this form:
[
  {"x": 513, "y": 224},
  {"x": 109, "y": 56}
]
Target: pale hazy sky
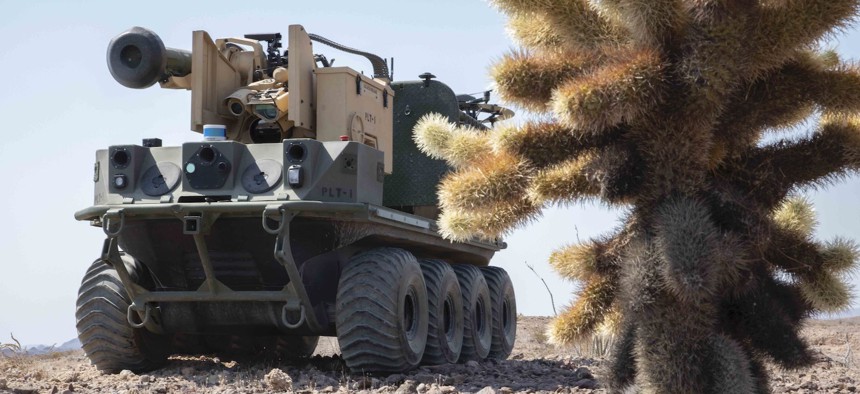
[{"x": 58, "y": 104}]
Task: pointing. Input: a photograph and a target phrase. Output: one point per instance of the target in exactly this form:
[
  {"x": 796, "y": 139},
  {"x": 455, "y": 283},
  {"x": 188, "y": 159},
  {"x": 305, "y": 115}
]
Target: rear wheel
[
  {"x": 445, "y": 301},
  {"x": 382, "y": 311},
  {"x": 477, "y": 320},
  {"x": 106, "y": 337},
  {"x": 504, "y": 311}
]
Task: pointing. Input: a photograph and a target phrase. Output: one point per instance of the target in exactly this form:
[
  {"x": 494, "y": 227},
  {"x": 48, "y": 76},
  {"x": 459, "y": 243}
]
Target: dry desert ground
[{"x": 534, "y": 367}]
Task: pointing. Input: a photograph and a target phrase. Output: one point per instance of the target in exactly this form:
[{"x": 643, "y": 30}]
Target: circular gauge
[
  {"x": 262, "y": 176},
  {"x": 160, "y": 179}
]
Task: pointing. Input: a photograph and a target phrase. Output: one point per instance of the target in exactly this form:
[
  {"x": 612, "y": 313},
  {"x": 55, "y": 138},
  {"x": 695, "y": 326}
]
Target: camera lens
[
  {"x": 296, "y": 153},
  {"x": 236, "y": 108},
  {"x": 207, "y": 154},
  {"x": 120, "y": 158}
]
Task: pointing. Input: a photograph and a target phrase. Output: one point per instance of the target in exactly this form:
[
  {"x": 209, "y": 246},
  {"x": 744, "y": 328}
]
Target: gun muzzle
[{"x": 138, "y": 59}]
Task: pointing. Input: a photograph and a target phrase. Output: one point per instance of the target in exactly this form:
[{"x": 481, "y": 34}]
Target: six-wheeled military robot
[{"x": 306, "y": 211}]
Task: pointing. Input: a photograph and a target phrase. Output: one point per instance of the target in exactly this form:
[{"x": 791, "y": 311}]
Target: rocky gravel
[{"x": 534, "y": 367}]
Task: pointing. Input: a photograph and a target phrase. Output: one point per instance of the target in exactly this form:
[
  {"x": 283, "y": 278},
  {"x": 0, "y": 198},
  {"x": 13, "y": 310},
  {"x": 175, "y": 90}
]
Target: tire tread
[
  {"x": 472, "y": 284},
  {"x": 369, "y": 339},
  {"x": 497, "y": 281},
  {"x": 437, "y": 350},
  {"x": 110, "y": 343}
]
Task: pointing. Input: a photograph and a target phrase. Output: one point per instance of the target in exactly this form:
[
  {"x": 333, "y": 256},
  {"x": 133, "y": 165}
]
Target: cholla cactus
[{"x": 660, "y": 106}]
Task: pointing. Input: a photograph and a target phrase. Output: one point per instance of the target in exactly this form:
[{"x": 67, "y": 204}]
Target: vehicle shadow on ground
[{"x": 319, "y": 372}]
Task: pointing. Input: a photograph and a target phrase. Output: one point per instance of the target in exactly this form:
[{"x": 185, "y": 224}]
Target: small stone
[
  {"x": 278, "y": 380},
  {"x": 421, "y": 388},
  {"x": 126, "y": 374},
  {"x": 71, "y": 387},
  {"x": 505, "y": 390},
  {"x": 216, "y": 360},
  {"x": 146, "y": 379},
  {"x": 69, "y": 377},
  {"x": 486, "y": 390},
  {"x": 472, "y": 364},
  {"x": 3, "y": 384},
  {"x": 408, "y": 387},
  {"x": 54, "y": 390},
  {"x": 328, "y": 389},
  {"x": 808, "y": 383},
  {"x": 447, "y": 389}
]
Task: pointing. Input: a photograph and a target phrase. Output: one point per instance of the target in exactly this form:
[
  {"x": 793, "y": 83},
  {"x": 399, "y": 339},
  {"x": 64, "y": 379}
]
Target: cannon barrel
[{"x": 138, "y": 59}]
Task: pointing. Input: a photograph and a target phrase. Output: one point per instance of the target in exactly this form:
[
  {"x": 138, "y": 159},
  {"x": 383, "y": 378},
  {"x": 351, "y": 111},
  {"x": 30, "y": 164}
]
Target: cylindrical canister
[{"x": 214, "y": 132}]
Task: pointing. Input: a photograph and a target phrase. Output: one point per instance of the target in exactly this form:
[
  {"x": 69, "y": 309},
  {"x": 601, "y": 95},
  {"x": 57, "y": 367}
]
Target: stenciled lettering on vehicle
[{"x": 337, "y": 192}]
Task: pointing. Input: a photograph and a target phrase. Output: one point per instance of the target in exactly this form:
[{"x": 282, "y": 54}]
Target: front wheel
[
  {"x": 382, "y": 312},
  {"x": 106, "y": 337}
]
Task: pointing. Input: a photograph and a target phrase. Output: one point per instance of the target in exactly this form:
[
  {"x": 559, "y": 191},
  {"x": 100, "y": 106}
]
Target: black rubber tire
[
  {"x": 477, "y": 318},
  {"x": 445, "y": 306},
  {"x": 382, "y": 311},
  {"x": 106, "y": 337},
  {"x": 504, "y": 311}
]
